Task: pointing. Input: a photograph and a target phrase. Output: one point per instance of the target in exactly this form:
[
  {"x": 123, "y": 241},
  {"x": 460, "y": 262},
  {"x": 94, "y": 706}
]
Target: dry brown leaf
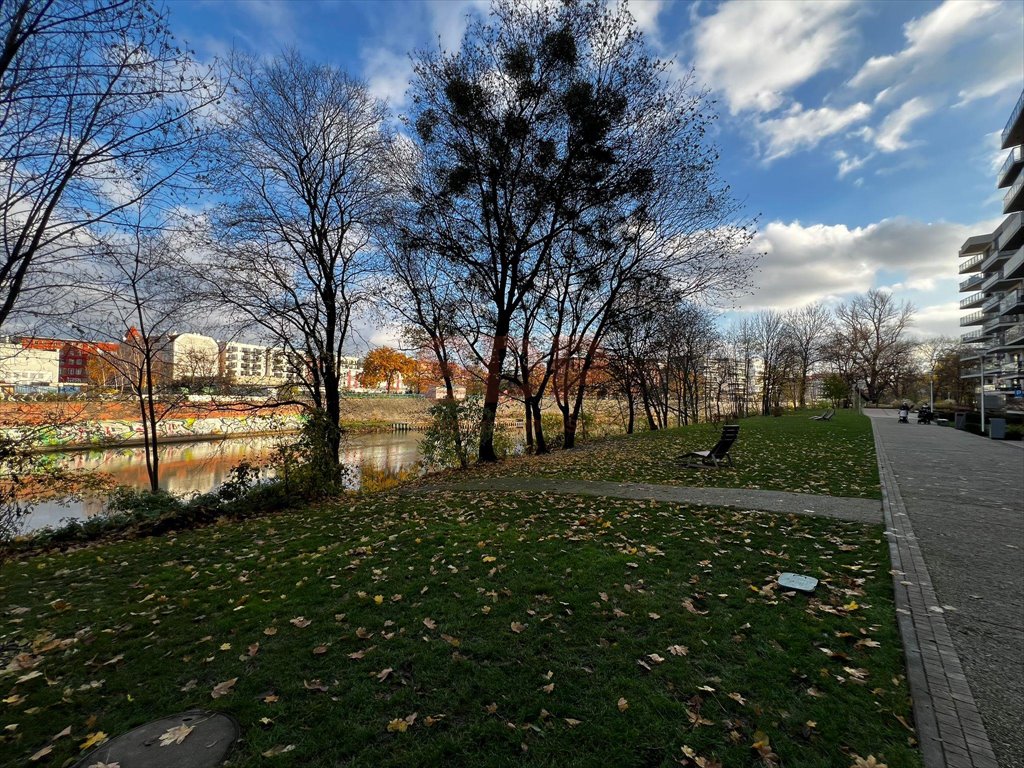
[
  {"x": 314, "y": 685},
  {"x": 254, "y": 649},
  {"x": 678, "y": 650},
  {"x": 301, "y": 622},
  {"x": 383, "y": 674},
  {"x": 223, "y": 689},
  {"x": 175, "y": 735},
  {"x": 41, "y": 753},
  {"x": 429, "y": 623},
  {"x": 359, "y": 654},
  {"x": 270, "y": 631},
  {"x": 517, "y": 627},
  {"x": 623, "y": 705},
  {"x": 278, "y": 750}
]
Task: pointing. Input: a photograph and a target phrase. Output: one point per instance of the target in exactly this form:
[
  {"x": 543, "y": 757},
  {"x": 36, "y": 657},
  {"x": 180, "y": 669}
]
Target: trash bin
[
  {"x": 961, "y": 421},
  {"x": 997, "y": 429}
]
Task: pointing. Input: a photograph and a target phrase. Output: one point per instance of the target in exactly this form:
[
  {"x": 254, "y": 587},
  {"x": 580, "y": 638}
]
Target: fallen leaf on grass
[
  {"x": 301, "y": 622},
  {"x": 429, "y": 623},
  {"x": 254, "y": 649},
  {"x": 175, "y": 735},
  {"x": 92, "y": 740},
  {"x": 678, "y": 650},
  {"x": 866, "y": 762},
  {"x": 62, "y": 734},
  {"x": 383, "y": 674},
  {"x": 623, "y": 705},
  {"x": 548, "y": 688},
  {"x": 278, "y": 750},
  {"x": 41, "y": 753},
  {"x": 517, "y": 627},
  {"x": 737, "y": 698},
  {"x": 223, "y": 689},
  {"x": 359, "y": 654},
  {"x": 655, "y": 658},
  {"x": 314, "y": 685},
  {"x": 398, "y": 726},
  {"x": 320, "y": 650},
  {"x": 270, "y": 631}
]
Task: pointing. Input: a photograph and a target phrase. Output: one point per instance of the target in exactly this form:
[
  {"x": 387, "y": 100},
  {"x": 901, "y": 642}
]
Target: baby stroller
[
  {"x": 925, "y": 415},
  {"x": 904, "y": 414}
]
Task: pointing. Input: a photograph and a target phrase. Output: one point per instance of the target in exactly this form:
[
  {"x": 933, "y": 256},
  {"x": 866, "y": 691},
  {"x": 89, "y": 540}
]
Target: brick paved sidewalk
[{"x": 954, "y": 509}]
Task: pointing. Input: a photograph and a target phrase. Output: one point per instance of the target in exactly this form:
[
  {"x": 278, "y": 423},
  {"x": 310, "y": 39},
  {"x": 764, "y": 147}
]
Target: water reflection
[{"x": 201, "y": 467}]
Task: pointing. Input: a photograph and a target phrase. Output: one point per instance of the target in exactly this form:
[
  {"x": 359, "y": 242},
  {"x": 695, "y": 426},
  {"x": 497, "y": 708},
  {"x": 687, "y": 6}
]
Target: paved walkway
[
  {"x": 857, "y": 510},
  {"x": 954, "y": 508}
]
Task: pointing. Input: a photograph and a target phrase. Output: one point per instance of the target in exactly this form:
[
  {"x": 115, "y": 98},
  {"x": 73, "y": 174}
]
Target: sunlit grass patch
[
  {"x": 787, "y": 453},
  {"x": 475, "y": 629}
]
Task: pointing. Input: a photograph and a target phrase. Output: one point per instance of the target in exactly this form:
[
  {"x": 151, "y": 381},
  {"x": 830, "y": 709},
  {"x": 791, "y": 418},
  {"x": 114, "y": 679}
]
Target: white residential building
[
  {"x": 245, "y": 363},
  {"x": 24, "y": 365}
]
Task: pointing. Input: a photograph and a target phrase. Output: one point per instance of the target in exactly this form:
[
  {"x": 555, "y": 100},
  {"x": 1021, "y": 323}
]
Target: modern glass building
[{"x": 993, "y": 270}]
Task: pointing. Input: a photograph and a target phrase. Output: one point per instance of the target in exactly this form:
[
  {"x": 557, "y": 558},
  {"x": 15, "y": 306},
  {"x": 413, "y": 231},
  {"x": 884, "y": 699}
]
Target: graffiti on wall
[{"x": 115, "y": 432}]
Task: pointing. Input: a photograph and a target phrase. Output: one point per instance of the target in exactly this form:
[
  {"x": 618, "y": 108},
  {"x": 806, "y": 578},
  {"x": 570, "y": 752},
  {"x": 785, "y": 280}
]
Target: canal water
[{"x": 200, "y": 467}]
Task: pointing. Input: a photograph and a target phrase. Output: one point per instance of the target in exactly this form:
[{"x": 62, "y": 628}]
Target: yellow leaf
[
  {"x": 92, "y": 740},
  {"x": 378, "y": 599},
  {"x": 278, "y": 750},
  {"x": 489, "y": 558},
  {"x": 851, "y": 606},
  {"x": 398, "y": 726}
]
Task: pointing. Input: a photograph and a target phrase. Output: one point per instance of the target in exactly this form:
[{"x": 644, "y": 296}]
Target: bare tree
[
  {"x": 870, "y": 343},
  {"x": 808, "y": 329},
  {"x": 138, "y": 297},
  {"x": 99, "y": 109},
  {"x": 305, "y": 157},
  {"x": 771, "y": 344}
]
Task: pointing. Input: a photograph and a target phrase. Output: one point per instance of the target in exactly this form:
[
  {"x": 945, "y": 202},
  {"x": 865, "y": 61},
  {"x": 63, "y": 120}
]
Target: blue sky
[{"x": 865, "y": 134}]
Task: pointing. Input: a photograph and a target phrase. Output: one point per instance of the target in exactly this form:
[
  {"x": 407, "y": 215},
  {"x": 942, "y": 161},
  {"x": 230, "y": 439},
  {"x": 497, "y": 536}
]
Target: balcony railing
[
  {"x": 1012, "y": 193},
  {"x": 972, "y": 282},
  {"x": 1016, "y": 156},
  {"x": 1013, "y": 119},
  {"x": 991, "y": 278},
  {"x": 972, "y": 319},
  {"x": 971, "y": 264},
  {"x": 967, "y": 338},
  {"x": 972, "y": 300},
  {"x": 1009, "y": 300}
]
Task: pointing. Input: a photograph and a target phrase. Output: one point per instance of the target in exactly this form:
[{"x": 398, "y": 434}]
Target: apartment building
[
  {"x": 246, "y": 363},
  {"x": 993, "y": 265},
  {"x": 23, "y": 365}
]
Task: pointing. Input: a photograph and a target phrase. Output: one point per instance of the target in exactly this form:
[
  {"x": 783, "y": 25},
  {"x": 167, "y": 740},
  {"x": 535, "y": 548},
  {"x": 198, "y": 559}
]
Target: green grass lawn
[
  {"x": 471, "y": 629},
  {"x": 788, "y": 453}
]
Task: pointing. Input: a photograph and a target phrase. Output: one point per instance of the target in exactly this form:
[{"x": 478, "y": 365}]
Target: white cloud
[
  {"x": 805, "y": 263},
  {"x": 927, "y": 37},
  {"x": 803, "y": 128},
  {"x": 890, "y": 134},
  {"x": 646, "y": 14},
  {"x": 755, "y": 51},
  {"x": 849, "y": 163},
  {"x": 972, "y": 49},
  {"x": 387, "y": 74},
  {"x": 938, "y": 320}
]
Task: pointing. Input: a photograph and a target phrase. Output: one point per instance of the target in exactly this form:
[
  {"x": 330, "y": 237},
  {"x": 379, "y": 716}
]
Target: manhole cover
[{"x": 192, "y": 739}]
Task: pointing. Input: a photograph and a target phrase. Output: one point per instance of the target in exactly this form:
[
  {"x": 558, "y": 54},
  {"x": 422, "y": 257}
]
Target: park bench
[
  {"x": 826, "y": 416},
  {"x": 719, "y": 454}
]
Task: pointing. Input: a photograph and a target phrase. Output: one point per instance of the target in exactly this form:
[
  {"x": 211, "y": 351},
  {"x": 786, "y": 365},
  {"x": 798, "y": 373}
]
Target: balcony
[
  {"x": 973, "y": 264},
  {"x": 975, "y": 318},
  {"x": 1013, "y": 133},
  {"x": 1011, "y": 168},
  {"x": 991, "y": 303},
  {"x": 1000, "y": 321},
  {"x": 1013, "y": 200},
  {"x": 976, "y": 244},
  {"x": 991, "y": 278},
  {"x": 1014, "y": 267},
  {"x": 974, "y": 300},
  {"x": 1012, "y": 302},
  {"x": 1010, "y": 234},
  {"x": 972, "y": 282}
]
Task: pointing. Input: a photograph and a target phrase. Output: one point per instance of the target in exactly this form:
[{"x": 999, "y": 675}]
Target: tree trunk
[
  {"x": 492, "y": 391},
  {"x": 538, "y": 425}
]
